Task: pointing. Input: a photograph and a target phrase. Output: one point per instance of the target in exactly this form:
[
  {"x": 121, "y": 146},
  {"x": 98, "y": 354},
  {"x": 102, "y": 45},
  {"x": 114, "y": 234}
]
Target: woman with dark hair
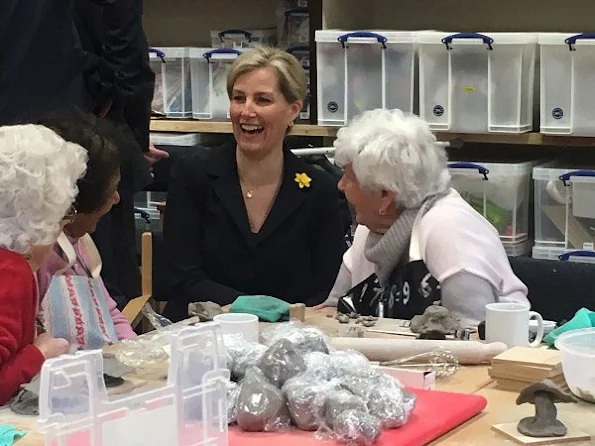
[{"x": 89, "y": 318}]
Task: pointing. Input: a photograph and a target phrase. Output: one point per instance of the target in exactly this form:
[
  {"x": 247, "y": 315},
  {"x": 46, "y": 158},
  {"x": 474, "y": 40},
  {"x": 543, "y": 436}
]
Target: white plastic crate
[
  {"x": 567, "y": 79},
  {"x": 243, "y": 38},
  {"x": 362, "y": 70},
  {"x": 477, "y": 83},
  {"x": 518, "y": 249},
  {"x": 190, "y": 410},
  {"x": 173, "y": 91},
  {"x": 551, "y": 253},
  {"x": 501, "y": 192},
  {"x": 209, "y": 68},
  {"x": 302, "y": 53},
  {"x": 565, "y": 206}
]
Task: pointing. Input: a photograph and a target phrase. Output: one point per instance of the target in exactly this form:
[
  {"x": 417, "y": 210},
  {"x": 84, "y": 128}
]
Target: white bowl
[{"x": 577, "y": 348}]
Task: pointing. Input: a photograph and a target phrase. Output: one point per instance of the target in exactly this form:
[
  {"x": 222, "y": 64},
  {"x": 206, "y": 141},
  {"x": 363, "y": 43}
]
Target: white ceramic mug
[
  {"x": 508, "y": 322},
  {"x": 239, "y": 323}
]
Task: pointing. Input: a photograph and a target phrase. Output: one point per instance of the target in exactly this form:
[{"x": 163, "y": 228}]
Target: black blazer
[{"x": 211, "y": 254}]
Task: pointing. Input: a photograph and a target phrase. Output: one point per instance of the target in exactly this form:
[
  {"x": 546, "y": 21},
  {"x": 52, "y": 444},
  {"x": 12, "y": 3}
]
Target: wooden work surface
[{"x": 470, "y": 379}]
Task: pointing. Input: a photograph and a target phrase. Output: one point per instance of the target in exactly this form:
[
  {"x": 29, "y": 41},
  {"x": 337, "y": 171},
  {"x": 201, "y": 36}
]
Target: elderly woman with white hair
[
  {"x": 417, "y": 241},
  {"x": 38, "y": 184}
]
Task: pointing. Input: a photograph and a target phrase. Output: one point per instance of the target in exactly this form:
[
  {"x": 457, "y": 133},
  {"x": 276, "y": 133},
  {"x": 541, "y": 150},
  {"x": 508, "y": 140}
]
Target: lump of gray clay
[
  {"x": 241, "y": 354},
  {"x": 340, "y": 401},
  {"x": 392, "y": 407},
  {"x": 281, "y": 362},
  {"x": 350, "y": 362},
  {"x": 205, "y": 311},
  {"x": 305, "y": 401},
  {"x": 357, "y": 427},
  {"x": 321, "y": 366},
  {"x": 435, "y": 318},
  {"x": 261, "y": 406},
  {"x": 233, "y": 393}
]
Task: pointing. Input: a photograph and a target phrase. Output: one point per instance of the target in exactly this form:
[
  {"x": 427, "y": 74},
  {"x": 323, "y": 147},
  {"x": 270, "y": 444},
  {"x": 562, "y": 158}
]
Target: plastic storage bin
[
  {"x": 361, "y": 70},
  {"x": 567, "y": 79},
  {"x": 173, "y": 91},
  {"x": 243, "y": 38},
  {"x": 302, "y": 53},
  {"x": 190, "y": 410},
  {"x": 477, "y": 83},
  {"x": 518, "y": 249},
  {"x": 567, "y": 255},
  {"x": 296, "y": 28},
  {"x": 209, "y": 68},
  {"x": 565, "y": 206},
  {"x": 501, "y": 192}
]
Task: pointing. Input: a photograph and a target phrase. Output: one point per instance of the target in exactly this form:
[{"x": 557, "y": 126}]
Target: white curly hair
[
  {"x": 38, "y": 176},
  {"x": 396, "y": 152}
]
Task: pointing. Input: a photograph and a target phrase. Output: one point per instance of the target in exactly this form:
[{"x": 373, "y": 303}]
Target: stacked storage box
[
  {"x": 477, "y": 83},
  {"x": 363, "y": 70},
  {"x": 501, "y": 192},
  {"x": 567, "y": 79},
  {"x": 173, "y": 91},
  {"x": 564, "y": 211},
  {"x": 243, "y": 38},
  {"x": 209, "y": 68}
]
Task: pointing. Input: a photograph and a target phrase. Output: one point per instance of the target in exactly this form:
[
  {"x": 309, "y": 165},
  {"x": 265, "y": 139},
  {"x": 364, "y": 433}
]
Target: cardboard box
[{"x": 415, "y": 379}]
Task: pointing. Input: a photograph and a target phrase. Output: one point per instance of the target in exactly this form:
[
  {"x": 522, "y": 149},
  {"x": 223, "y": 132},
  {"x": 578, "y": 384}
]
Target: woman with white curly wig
[
  {"x": 38, "y": 176},
  {"x": 417, "y": 241}
]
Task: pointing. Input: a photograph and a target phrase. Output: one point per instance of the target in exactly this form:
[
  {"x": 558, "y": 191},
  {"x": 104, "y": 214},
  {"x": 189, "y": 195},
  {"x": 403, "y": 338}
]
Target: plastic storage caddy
[
  {"x": 501, "y": 192},
  {"x": 243, "y": 38},
  {"x": 173, "y": 91},
  {"x": 191, "y": 409},
  {"x": 209, "y": 68},
  {"x": 361, "y": 70},
  {"x": 567, "y": 255},
  {"x": 567, "y": 79},
  {"x": 565, "y": 206},
  {"x": 477, "y": 83}
]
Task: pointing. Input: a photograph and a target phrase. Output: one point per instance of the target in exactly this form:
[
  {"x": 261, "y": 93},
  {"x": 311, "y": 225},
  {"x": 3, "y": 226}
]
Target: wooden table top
[{"x": 469, "y": 379}]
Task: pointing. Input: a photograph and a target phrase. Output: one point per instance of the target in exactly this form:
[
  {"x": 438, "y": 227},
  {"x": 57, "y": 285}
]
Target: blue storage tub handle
[
  {"x": 248, "y": 35},
  {"x": 209, "y": 54},
  {"x": 486, "y": 39},
  {"x": 482, "y": 170},
  {"x": 160, "y": 54},
  {"x": 576, "y": 173},
  {"x": 302, "y": 10},
  {"x": 580, "y": 253},
  {"x": 570, "y": 41},
  {"x": 298, "y": 49},
  {"x": 363, "y": 34}
]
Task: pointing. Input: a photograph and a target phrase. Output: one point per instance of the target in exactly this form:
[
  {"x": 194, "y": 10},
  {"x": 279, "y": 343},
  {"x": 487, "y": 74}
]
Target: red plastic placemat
[{"x": 435, "y": 414}]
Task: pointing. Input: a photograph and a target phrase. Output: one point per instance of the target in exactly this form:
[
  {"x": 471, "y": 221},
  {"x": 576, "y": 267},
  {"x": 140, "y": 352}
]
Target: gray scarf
[{"x": 385, "y": 250}]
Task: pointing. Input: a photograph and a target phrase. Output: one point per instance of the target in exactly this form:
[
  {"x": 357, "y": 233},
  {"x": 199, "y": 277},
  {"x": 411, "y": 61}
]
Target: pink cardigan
[{"x": 55, "y": 262}]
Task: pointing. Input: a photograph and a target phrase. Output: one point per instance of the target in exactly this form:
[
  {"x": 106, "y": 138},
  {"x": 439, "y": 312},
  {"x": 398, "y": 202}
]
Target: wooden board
[
  {"x": 509, "y": 430},
  {"x": 527, "y": 356}
]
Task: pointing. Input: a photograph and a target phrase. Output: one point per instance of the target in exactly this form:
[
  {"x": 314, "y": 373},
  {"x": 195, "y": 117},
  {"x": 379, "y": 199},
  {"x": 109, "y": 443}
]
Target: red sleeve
[{"x": 20, "y": 360}]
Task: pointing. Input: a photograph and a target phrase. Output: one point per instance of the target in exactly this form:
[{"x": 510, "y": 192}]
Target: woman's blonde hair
[{"x": 292, "y": 78}]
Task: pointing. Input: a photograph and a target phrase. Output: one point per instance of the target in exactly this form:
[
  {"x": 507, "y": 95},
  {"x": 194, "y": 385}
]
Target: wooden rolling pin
[{"x": 379, "y": 349}]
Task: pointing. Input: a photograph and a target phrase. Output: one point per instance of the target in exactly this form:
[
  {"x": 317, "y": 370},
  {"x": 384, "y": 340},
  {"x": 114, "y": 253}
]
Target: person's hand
[
  {"x": 154, "y": 155},
  {"x": 50, "y": 347},
  {"x": 326, "y": 304}
]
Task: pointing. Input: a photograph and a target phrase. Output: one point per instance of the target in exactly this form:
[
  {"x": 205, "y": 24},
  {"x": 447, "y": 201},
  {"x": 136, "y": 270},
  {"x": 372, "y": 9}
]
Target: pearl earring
[{"x": 382, "y": 211}]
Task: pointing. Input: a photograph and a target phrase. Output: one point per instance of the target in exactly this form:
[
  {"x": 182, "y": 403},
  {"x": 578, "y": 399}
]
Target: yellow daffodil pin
[{"x": 303, "y": 180}]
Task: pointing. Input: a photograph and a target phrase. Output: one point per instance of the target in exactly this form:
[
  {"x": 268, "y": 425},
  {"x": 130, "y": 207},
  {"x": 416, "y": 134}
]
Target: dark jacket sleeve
[
  {"x": 185, "y": 279},
  {"x": 328, "y": 240}
]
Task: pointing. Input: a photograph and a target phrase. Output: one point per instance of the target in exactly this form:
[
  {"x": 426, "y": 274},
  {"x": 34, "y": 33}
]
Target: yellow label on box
[{"x": 469, "y": 89}]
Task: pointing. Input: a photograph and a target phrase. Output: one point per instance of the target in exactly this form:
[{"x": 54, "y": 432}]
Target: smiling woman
[{"x": 237, "y": 221}]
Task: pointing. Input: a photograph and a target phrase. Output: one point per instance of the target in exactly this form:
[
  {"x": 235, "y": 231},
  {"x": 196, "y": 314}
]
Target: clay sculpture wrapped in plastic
[{"x": 294, "y": 380}]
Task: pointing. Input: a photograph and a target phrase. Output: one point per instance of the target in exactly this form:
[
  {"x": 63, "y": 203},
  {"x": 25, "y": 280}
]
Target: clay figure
[
  {"x": 205, "y": 311},
  {"x": 435, "y": 318},
  {"x": 261, "y": 406},
  {"x": 544, "y": 395},
  {"x": 357, "y": 427},
  {"x": 281, "y": 362}
]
